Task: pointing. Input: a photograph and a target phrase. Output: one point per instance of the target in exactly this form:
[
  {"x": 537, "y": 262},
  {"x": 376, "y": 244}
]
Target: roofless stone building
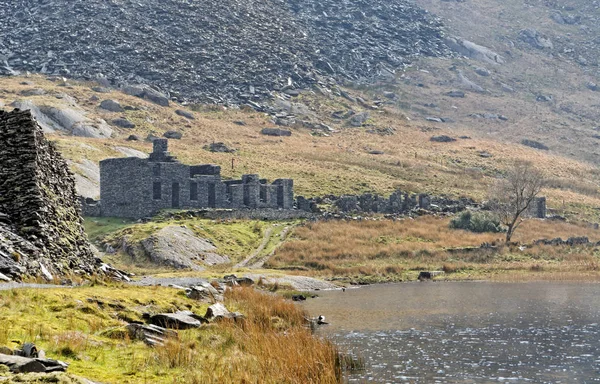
[{"x": 134, "y": 188}]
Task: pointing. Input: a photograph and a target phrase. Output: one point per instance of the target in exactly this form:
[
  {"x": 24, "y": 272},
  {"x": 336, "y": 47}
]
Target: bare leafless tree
[{"x": 512, "y": 195}]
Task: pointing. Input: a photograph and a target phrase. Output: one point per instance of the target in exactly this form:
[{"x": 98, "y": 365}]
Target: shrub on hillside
[{"x": 478, "y": 222}]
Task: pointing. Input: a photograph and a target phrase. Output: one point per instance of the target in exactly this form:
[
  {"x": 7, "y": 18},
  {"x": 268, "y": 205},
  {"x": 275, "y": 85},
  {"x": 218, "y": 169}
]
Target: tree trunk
[{"x": 509, "y": 233}]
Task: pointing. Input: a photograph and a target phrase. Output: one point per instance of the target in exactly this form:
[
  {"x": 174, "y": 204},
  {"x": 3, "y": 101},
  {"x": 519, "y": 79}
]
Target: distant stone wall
[
  {"x": 247, "y": 214},
  {"x": 397, "y": 203},
  {"x": 38, "y": 197}
]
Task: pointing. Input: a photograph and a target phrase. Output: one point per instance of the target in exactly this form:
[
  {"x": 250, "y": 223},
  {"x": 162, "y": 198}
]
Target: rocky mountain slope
[{"x": 226, "y": 51}]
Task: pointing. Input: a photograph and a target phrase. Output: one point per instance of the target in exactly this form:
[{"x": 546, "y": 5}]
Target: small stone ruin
[{"x": 41, "y": 229}]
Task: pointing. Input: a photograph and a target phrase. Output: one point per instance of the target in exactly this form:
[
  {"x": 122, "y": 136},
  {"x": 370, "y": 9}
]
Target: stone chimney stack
[{"x": 160, "y": 151}]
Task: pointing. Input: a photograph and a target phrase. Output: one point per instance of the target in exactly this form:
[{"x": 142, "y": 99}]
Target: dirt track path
[
  {"x": 258, "y": 250},
  {"x": 261, "y": 262}
]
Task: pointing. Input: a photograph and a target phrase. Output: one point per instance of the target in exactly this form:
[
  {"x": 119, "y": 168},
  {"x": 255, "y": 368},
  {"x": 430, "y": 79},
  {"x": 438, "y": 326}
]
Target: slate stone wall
[{"x": 37, "y": 194}]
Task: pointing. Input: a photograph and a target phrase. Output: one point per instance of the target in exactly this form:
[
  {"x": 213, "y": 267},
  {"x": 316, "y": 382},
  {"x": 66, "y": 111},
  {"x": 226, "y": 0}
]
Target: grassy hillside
[{"x": 339, "y": 163}]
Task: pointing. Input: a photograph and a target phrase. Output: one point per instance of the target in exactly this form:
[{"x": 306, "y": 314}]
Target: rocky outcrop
[
  {"x": 225, "y": 51},
  {"x": 474, "y": 51},
  {"x": 41, "y": 231},
  {"x": 180, "y": 248},
  {"x": 65, "y": 119}
]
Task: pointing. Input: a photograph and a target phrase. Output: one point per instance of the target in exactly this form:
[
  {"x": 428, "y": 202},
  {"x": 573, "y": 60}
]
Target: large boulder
[
  {"x": 111, "y": 105},
  {"x": 177, "y": 320},
  {"x": 20, "y": 364}
]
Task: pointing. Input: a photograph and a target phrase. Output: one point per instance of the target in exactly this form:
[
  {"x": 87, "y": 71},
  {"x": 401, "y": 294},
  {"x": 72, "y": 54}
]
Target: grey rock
[
  {"x": 173, "y": 135},
  {"x": 178, "y": 320},
  {"x": 130, "y": 152},
  {"x": 544, "y": 98},
  {"x": 153, "y": 335},
  {"x": 123, "y": 123},
  {"x": 76, "y": 122},
  {"x": 482, "y": 71},
  {"x": 45, "y": 122},
  {"x": 219, "y": 147},
  {"x": 434, "y": 119},
  {"x": 111, "y": 105},
  {"x": 535, "y": 39},
  {"x": 474, "y": 51},
  {"x": 458, "y": 94},
  {"x": 467, "y": 84},
  {"x": 188, "y": 115},
  {"x": 442, "y": 139},
  {"x": 33, "y": 92},
  {"x": 101, "y": 90},
  {"x": 534, "y": 144},
  {"x": 218, "y": 312},
  {"x": 146, "y": 92},
  {"x": 592, "y": 86},
  {"x": 133, "y": 138},
  {"x": 20, "y": 364},
  {"x": 276, "y": 132},
  {"x": 204, "y": 292},
  {"x": 359, "y": 119}
]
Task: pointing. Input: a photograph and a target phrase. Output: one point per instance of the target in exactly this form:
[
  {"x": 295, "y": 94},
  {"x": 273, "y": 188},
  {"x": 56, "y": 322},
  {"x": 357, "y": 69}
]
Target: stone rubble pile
[
  {"x": 41, "y": 229},
  {"x": 226, "y": 51}
]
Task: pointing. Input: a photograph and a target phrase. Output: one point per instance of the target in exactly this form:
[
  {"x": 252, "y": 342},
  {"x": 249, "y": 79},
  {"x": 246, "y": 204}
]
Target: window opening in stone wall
[
  {"x": 156, "y": 170},
  {"x": 280, "y": 196},
  {"x": 175, "y": 196},
  {"x": 157, "y": 191},
  {"x": 263, "y": 194},
  {"x": 193, "y": 191},
  {"x": 212, "y": 195},
  {"x": 246, "y": 195}
]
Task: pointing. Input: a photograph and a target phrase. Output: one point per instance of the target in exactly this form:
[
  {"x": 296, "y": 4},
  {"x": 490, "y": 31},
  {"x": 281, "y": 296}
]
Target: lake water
[{"x": 467, "y": 332}]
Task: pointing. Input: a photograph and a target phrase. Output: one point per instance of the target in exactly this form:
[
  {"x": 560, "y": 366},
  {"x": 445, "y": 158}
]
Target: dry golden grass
[
  {"x": 394, "y": 250},
  {"x": 84, "y": 326}
]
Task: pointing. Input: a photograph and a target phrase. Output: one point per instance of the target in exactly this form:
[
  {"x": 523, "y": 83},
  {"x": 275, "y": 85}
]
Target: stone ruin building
[
  {"x": 41, "y": 229},
  {"x": 135, "y": 188}
]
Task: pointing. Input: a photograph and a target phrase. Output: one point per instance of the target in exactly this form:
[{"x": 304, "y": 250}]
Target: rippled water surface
[{"x": 468, "y": 332}]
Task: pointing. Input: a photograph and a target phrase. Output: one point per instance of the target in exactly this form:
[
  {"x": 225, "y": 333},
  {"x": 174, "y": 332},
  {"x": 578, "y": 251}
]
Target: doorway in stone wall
[{"x": 175, "y": 196}]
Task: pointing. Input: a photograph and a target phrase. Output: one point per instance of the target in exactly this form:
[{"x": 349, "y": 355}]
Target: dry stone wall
[{"x": 43, "y": 232}]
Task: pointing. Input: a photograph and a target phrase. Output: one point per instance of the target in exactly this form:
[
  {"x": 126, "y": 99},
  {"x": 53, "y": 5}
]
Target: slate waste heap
[
  {"x": 216, "y": 51},
  {"x": 41, "y": 228}
]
